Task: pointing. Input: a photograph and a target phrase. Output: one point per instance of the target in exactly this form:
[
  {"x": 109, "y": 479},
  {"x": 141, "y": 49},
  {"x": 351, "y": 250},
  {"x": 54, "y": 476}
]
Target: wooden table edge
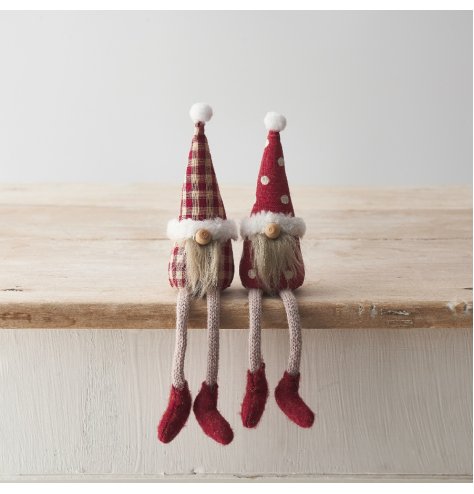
[{"x": 314, "y": 315}]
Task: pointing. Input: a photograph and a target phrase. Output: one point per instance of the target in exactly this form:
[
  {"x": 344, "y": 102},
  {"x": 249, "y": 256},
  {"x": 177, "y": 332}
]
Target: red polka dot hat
[{"x": 272, "y": 204}]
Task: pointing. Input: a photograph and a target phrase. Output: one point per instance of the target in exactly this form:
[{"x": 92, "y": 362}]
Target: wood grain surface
[{"x": 95, "y": 256}]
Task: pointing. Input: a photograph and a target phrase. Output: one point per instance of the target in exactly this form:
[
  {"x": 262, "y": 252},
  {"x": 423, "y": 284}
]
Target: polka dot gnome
[
  {"x": 272, "y": 263},
  {"x": 201, "y": 264}
]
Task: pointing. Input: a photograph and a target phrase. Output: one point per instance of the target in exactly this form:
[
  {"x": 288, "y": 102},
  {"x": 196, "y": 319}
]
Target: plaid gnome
[
  {"x": 272, "y": 263},
  {"x": 201, "y": 264}
]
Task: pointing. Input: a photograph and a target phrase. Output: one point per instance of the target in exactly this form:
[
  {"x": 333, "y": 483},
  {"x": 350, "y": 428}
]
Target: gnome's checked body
[
  {"x": 201, "y": 264},
  {"x": 272, "y": 263}
]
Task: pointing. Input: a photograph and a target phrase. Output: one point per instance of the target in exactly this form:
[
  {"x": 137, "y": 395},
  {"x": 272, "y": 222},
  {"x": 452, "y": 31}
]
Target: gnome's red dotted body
[
  {"x": 201, "y": 264},
  {"x": 272, "y": 263}
]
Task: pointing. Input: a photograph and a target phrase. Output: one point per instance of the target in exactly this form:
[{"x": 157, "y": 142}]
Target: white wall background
[{"x": 376, "y": 98}]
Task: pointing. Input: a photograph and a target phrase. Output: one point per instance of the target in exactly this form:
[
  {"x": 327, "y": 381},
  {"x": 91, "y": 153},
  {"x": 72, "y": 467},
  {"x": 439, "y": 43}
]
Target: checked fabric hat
[
  {"x": 200, "y": 197},
  {"x": 201, "y": 206}
]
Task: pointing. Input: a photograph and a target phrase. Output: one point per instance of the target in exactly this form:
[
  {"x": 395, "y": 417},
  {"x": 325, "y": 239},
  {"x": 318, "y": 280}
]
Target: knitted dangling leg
[
  {"x": 179, "y": 402},
  {"x": 205, "y": 405},
  {"x": 286, "y": 393},
  {"x": 256, "y": 392}
]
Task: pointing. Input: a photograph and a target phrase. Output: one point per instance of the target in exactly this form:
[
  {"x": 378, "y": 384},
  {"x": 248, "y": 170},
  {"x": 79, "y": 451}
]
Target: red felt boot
[
  {"x": 176, "y": 414},
  {"x": 256, "y": 395},
  {"x": 290, "y": 402},
  {"x": 211, "y": 421}
]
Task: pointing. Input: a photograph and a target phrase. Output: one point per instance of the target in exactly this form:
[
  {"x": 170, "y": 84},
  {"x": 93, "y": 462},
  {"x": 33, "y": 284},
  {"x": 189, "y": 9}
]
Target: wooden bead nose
[
  {"x": 203, "y": 236},
  {"x": 272, "y": 230}
]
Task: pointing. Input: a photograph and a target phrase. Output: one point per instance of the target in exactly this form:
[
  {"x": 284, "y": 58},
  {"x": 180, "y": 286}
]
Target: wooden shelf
[{"x": 95, "y": 256}]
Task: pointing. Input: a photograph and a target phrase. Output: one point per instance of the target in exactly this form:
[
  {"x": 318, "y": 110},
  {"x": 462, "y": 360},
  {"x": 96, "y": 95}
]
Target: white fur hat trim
[
  {"x": 220, "y": 229},
  {"x": 257, "y": 223}
]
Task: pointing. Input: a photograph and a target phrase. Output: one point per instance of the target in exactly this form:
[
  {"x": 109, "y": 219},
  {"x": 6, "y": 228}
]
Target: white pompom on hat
[
  {"x": 200, "y": 112},
  {"x": 274, "y": 121}
]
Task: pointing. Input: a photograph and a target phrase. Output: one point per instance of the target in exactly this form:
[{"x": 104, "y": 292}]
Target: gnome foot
[
  {"x": 211, "y": 421},
  {"x": 290, "y": 402},
  {"x": 176, "y": 414},
  {"x": 255, "y": 398}
]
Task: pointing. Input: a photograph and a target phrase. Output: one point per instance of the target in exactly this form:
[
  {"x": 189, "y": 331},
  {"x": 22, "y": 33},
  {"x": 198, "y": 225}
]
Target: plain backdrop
[{"x": 371, "y": 98}]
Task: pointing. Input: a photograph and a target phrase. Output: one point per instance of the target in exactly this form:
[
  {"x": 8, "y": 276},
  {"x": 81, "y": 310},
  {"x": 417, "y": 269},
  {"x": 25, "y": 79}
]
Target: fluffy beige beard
[
  {"x": 272, "y": 257},
  {"x": 202, "y": 266}
]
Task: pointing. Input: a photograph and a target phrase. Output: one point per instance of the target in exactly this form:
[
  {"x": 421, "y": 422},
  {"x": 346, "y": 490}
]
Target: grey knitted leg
[
  {"x": 255, "y": 333},
  {"x": 213, "y": 322},
  {"x": 182, "y": 313},
  {"x": 294, "y": 326}
]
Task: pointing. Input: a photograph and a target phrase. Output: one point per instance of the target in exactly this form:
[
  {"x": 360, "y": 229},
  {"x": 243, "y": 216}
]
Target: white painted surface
[
  {"x": 371, "y": 97},
  {"x": 394, "y": 403}
]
